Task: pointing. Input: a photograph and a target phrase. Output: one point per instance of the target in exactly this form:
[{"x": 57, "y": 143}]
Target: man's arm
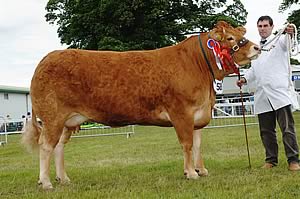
[{"x": 289, "y": 30}]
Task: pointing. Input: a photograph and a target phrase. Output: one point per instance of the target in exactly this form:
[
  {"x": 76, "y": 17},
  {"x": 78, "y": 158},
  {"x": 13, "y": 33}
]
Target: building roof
[{"x": 13, "y": 89}]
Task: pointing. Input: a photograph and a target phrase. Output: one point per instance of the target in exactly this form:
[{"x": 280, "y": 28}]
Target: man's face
[{"x": 264, "y": 28}]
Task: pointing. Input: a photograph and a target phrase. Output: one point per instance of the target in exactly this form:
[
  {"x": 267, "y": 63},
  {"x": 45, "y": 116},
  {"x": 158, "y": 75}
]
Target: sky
[{"x": 26, "y": 37}]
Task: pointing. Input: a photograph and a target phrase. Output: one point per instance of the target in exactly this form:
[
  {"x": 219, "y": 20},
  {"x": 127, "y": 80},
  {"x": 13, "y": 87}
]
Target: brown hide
[{"x": 120, "y": 88}]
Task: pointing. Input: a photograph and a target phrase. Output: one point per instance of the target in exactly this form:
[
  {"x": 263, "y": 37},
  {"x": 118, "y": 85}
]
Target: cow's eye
[{"x": 230, "y": 39}]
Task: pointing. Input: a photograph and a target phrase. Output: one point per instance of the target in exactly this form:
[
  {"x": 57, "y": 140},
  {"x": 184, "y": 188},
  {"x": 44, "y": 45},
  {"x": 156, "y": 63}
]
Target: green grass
[{"x": 150, "y": 165}]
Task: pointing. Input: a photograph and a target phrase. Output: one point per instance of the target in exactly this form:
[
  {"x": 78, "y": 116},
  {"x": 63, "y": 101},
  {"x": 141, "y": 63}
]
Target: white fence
[
  {"x": 3, "y": 138},
  {"x": 100, "y": 130},
  {"x": 15, "y": 127},
  {"x": 9, "y": 126},
  {"x": 227, "y": 112},
  {"x": 3, "y": 135}
]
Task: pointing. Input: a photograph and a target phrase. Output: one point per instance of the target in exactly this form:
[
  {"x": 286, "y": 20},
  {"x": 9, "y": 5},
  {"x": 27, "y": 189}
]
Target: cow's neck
[{"x": 197, "y": 53}]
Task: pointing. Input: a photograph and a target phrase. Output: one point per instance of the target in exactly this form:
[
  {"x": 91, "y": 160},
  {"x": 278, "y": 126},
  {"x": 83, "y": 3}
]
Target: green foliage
[
  {"x": 294, "y": 15},
  {"x": 136, "y": 24},
  {"x": 295, "y": 61},
  {"x": 287, "y": 4}
]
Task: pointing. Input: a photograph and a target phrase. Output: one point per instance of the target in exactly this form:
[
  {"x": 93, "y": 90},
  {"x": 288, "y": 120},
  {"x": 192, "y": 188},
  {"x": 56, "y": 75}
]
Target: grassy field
[{"x": 150, "y": 165}]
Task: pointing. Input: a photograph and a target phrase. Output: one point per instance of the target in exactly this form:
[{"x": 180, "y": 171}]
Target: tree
[
  {"x": 136, "y": 24},
  {"x": 294, "y": 16},
  {"x": 295, "y": 61}
]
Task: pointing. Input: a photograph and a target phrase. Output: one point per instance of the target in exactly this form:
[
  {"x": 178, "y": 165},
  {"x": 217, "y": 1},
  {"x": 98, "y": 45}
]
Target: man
[{"x": 271, "y": 100}]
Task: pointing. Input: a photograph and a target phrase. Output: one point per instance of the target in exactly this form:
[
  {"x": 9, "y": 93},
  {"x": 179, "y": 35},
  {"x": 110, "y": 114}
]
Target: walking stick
[{"x": 244, "y": 119}]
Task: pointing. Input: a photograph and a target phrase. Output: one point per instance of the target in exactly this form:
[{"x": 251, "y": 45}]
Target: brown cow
[{"x": 171, "y": 86}]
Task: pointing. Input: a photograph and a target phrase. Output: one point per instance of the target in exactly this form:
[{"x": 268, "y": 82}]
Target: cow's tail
[{"x": 31, "y": 135}]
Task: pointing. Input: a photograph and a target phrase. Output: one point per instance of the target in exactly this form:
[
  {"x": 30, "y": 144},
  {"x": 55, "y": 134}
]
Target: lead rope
[
  {"x": 293, "y": 42},
  {"x": 244, "y": 120},
  {"x": 289, "y": 47},
  {"x": 277, "y": 36},
  {"x": 293, "y": 50}
]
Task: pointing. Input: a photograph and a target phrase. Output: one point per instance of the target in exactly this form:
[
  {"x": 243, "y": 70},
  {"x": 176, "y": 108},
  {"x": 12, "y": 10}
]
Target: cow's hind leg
[
  {"x": 48, "y": 140},
  {"x": 198, "y": 160},
  {"x": 72, "y": 124},
  {"x": 184, "y": 128},
  {"x": 61, "y": 175}
]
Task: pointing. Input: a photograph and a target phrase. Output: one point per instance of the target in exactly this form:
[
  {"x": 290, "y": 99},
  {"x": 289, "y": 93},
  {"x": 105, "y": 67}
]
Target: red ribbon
[{"x": 223, "y": 53}]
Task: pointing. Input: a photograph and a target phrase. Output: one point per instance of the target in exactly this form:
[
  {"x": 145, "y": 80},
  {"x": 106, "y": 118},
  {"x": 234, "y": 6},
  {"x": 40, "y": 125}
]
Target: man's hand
[
  {"x": 290, "y": 29},
  {"x": 241, "y": 82}
]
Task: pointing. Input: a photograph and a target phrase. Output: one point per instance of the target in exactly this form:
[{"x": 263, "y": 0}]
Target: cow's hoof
[
  {"x": 45, "y": 186},
  {"x": 64, "y": 181},
  {"x": 193, "y": 176},
  {"x": 202, "y": 172}
]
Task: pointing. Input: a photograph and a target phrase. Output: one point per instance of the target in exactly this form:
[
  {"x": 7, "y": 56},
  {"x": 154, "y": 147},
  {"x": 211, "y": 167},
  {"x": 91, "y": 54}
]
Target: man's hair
[{"x": 266, "y": 17}]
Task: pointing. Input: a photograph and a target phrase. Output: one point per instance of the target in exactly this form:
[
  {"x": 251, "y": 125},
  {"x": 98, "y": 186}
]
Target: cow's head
[{"x": 241, "y": 50}]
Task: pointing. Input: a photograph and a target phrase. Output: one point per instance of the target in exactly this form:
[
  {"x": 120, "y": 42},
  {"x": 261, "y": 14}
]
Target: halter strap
[
  {"x": 225, "y": 55},
  {"x": 239, "y": 44},
  {"x": 206, "y": 59}
]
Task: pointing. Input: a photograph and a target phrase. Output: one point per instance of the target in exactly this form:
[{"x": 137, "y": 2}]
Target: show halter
[
  {"x": 224, "y": 61},
  {"x": 244, "y": 122},
  {"x": 206, "y": 59},
  {"x": 225, "y": 57},
  {"x": 223, "y": 54}
]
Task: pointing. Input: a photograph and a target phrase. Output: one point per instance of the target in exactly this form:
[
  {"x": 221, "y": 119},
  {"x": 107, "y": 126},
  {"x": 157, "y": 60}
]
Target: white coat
[{"x": 270, "y": 75}]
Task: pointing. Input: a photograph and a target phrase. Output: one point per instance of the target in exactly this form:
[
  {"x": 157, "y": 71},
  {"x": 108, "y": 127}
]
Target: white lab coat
[{"x": 270, "y": 76}]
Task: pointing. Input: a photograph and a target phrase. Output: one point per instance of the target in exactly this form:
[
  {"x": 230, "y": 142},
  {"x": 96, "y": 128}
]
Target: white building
[{"x": 14, "y": 102}]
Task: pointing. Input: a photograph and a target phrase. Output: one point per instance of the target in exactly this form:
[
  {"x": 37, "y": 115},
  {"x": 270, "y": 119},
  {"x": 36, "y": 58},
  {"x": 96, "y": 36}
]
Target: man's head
[{"x": 265, "y": 26}]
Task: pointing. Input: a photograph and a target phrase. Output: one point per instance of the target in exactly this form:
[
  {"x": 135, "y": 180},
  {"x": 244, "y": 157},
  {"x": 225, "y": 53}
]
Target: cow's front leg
[
  {"x": 61, "y": 175},
  {"x": 184, "y": 128},
  {"x": 198, "y": 160},
  {"x": 189, "y": 169}
]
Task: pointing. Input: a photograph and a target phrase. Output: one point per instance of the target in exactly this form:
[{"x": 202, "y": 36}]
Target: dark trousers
[{"x": 267, "y": 125}]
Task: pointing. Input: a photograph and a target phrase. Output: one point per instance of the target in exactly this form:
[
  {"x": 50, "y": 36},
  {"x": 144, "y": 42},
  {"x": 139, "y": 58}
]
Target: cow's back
[{"x": 110, "y": 87}]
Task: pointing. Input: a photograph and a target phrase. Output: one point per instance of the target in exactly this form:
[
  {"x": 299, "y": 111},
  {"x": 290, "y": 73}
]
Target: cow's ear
[
  {"x": 222, "y": 24},
  {"x": 241, "y": 29},
  {"x": 217, "y": 34}
]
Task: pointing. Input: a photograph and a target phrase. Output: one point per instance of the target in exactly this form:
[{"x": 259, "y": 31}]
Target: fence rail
[
  {"x": 104, "y": 131},
  {"x": 229, "y": 112}
]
